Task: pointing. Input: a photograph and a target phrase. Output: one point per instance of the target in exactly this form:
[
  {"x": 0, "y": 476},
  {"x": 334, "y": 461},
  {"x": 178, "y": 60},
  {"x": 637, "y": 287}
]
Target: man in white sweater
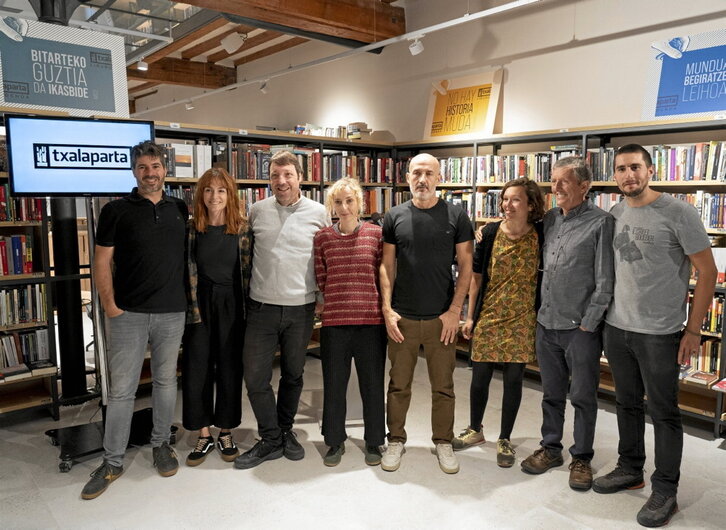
[{"x": 281, "y": 308}]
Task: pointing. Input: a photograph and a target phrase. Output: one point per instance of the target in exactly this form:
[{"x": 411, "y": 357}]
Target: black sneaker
[
  {"x": 618, "y": 479},
  {"x": 373, "y": 455},
  {"x": 227, "y": 448},
  {"x": 101, "y": 477},
  {"x": 204, "y": 446},
  {"x": 658, "y": 510},
  {"x": 263, "y": 450},
  {"x": 291, "y": 447},
  {"x": 165, "y": 460},
  {"x": 334, "y": 455}
]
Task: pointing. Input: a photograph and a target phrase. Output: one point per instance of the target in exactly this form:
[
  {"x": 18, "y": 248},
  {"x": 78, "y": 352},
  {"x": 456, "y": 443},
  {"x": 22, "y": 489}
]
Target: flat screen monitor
[{"x": 61, "y": 156}]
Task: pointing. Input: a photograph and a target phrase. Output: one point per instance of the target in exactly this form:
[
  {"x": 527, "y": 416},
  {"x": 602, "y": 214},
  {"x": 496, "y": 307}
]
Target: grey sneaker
[
  {"x": 618, "y": 479},
  {"x": 373, "y": 455},
  {"x": 658, "y": 510},
  {"x": 505, "y": 453},
  {"x": 101, "y": 477},
  {"x": 468, "y": 438},
  {"x": 392, "y": 457},
  {"x": 447, "y": 459},
  {"x": 165, "y": 460},
  {"x": 334, "y": 455}
]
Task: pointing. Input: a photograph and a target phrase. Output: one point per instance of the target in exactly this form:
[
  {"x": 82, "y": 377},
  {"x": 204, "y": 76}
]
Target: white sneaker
[
  {"x": 392, "y": 457},
  {"x": 447, "y": 460}
]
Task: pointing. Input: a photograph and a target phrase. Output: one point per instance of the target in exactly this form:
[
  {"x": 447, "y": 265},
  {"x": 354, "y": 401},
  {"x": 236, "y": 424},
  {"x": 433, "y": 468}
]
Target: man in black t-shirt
[
  {"x": 138, "y": 270},
  {"x": 421, "y": 240}
]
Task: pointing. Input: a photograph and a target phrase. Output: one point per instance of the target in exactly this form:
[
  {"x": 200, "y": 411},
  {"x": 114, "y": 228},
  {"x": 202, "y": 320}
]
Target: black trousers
[
  {"x": 647, "y": 364},
  {"x": 569, "y": 358},
  {"x": 367, "y": 346},
  {"x": 270, "y": 326},
  {"x": 212, "y": 360}
]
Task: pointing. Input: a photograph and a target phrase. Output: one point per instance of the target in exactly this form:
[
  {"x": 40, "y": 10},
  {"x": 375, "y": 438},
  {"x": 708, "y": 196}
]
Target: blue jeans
[
  {"x": 129, "y": 333},
  {"x": 562, "y": 354},
  {"x": 270, "y": 325},
  {"x": 647, "y": 364}
]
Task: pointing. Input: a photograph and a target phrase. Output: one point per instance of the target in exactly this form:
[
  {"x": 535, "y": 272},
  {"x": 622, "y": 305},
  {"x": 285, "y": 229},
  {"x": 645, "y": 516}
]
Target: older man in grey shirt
[{"x": 577, "y": 287}]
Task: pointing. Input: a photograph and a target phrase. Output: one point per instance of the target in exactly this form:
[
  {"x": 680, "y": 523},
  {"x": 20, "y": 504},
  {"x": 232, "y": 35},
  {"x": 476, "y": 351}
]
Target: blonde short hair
[{"x": 349, "y": 183}]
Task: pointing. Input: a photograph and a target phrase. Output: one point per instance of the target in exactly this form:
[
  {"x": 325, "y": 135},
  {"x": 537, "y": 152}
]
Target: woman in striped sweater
[{"x": 347, "y": 258}]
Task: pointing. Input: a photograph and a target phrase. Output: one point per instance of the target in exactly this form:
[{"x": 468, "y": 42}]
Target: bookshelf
[
  {"x": 473, "y": 168},
  {"x": 690, "y": 162},
  {"x": 28, "y": 360}
]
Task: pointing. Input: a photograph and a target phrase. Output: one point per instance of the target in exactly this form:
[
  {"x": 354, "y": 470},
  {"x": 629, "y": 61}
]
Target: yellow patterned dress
[{"x": 505, "y": 329}]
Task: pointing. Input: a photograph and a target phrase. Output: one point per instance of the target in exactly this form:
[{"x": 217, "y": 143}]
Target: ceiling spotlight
[
  {"x": 416, "y": 46},
  {"x": 189, "y": 105},
  {"x": 233, "y": 42},
  {"x": 263, "y": 87},
  {"x": 142, "y": 65}
]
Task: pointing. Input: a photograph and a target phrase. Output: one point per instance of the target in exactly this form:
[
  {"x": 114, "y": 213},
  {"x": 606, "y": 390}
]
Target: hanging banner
[
  {"x": 51, "y": 67},
  {"x": 463, "y": 108},
  {"x": 687, "y": 77}
]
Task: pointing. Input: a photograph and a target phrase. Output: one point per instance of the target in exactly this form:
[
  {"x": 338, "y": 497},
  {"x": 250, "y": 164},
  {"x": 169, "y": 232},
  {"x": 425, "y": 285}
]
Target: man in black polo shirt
[{"x": 138, "y": 270}]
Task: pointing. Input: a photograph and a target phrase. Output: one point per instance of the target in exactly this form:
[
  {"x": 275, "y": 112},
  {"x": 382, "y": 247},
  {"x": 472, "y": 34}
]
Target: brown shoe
[
  {"x": 541, "y": 460},
  {"x": 580, "y": 474}
]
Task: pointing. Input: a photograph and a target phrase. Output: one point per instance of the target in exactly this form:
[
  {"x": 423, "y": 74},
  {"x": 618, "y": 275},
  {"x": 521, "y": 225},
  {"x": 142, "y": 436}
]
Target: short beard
[{"x": 635, "y": 193}]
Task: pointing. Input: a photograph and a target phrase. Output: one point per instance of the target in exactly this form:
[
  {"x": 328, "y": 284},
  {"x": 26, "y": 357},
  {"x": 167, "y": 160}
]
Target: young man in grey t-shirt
[{"x": 657, "y": 239}]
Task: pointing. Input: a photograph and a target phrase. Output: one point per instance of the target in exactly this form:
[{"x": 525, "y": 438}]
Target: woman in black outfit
[{"x": 218, "y": 260}]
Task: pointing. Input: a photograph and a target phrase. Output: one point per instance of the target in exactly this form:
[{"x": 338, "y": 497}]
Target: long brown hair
[{"x": 235, "y": 221}]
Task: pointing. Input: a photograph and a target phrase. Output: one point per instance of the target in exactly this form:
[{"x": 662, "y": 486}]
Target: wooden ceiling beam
[
  {"x": 360, "y": 20},
  {"x": 213, "y": 42},
  {"x": 250, "y": 43},
  {"x": 295, "y": 41},
  {"x": 187, "y": 73},
  {"x": 142, "y": 87},
  {"x": 187, "y": 39}
]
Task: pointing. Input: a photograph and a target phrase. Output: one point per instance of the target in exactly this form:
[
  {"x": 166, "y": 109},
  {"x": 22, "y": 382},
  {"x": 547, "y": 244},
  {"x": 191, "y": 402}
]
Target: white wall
[{"x": 568, "y": 63}]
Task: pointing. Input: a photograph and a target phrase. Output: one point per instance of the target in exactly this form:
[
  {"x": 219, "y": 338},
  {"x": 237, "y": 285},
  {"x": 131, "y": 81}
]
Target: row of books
[
  {"x": 460, "y": 198},
  {"x": 491, "y": 169},
  {"x": 186, "y": 160},
  {"x": 21, "y": 305},
  {"x": 697, "y": 161},
  {"x": 713, "y": 321},
  {"x": 25, "y": 355},
  {"x": 19, "y": 208},
  {"x": 252, "y": 161},
  {"x": 16, "y": 254}
]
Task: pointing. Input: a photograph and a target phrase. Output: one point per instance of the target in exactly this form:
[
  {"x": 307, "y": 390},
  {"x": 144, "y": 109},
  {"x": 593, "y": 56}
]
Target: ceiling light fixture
[
  {"x": 416, "y": 46},
  {"x": 233, "y": 42},
  {"x": 438, "y": 86},
  {"x": 263, "y": 87},
  {"x": 189, "y": 105},
  {"x": 142, "y": 65}
]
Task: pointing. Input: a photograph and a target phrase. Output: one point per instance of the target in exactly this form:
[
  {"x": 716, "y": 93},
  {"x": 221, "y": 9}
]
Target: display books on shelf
[
  {"x": 702, "y": 378},
  {"x": 183, "y": 159},
  {"x": 720, "y": 386},
  {"x": 202, "y": 159}
]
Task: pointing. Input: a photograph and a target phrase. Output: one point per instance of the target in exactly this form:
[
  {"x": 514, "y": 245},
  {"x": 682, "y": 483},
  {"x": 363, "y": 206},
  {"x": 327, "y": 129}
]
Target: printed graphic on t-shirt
[{"x": 624, "y": 243}]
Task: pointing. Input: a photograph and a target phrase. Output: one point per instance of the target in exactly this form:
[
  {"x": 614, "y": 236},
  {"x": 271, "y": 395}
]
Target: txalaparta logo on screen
[{"x": 74, "y": 156}]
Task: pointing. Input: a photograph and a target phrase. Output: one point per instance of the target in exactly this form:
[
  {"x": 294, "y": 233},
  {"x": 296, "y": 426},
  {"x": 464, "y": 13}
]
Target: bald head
[
  {"x": 423, "y": 174},
  {"x": 424, "y": 158}
]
